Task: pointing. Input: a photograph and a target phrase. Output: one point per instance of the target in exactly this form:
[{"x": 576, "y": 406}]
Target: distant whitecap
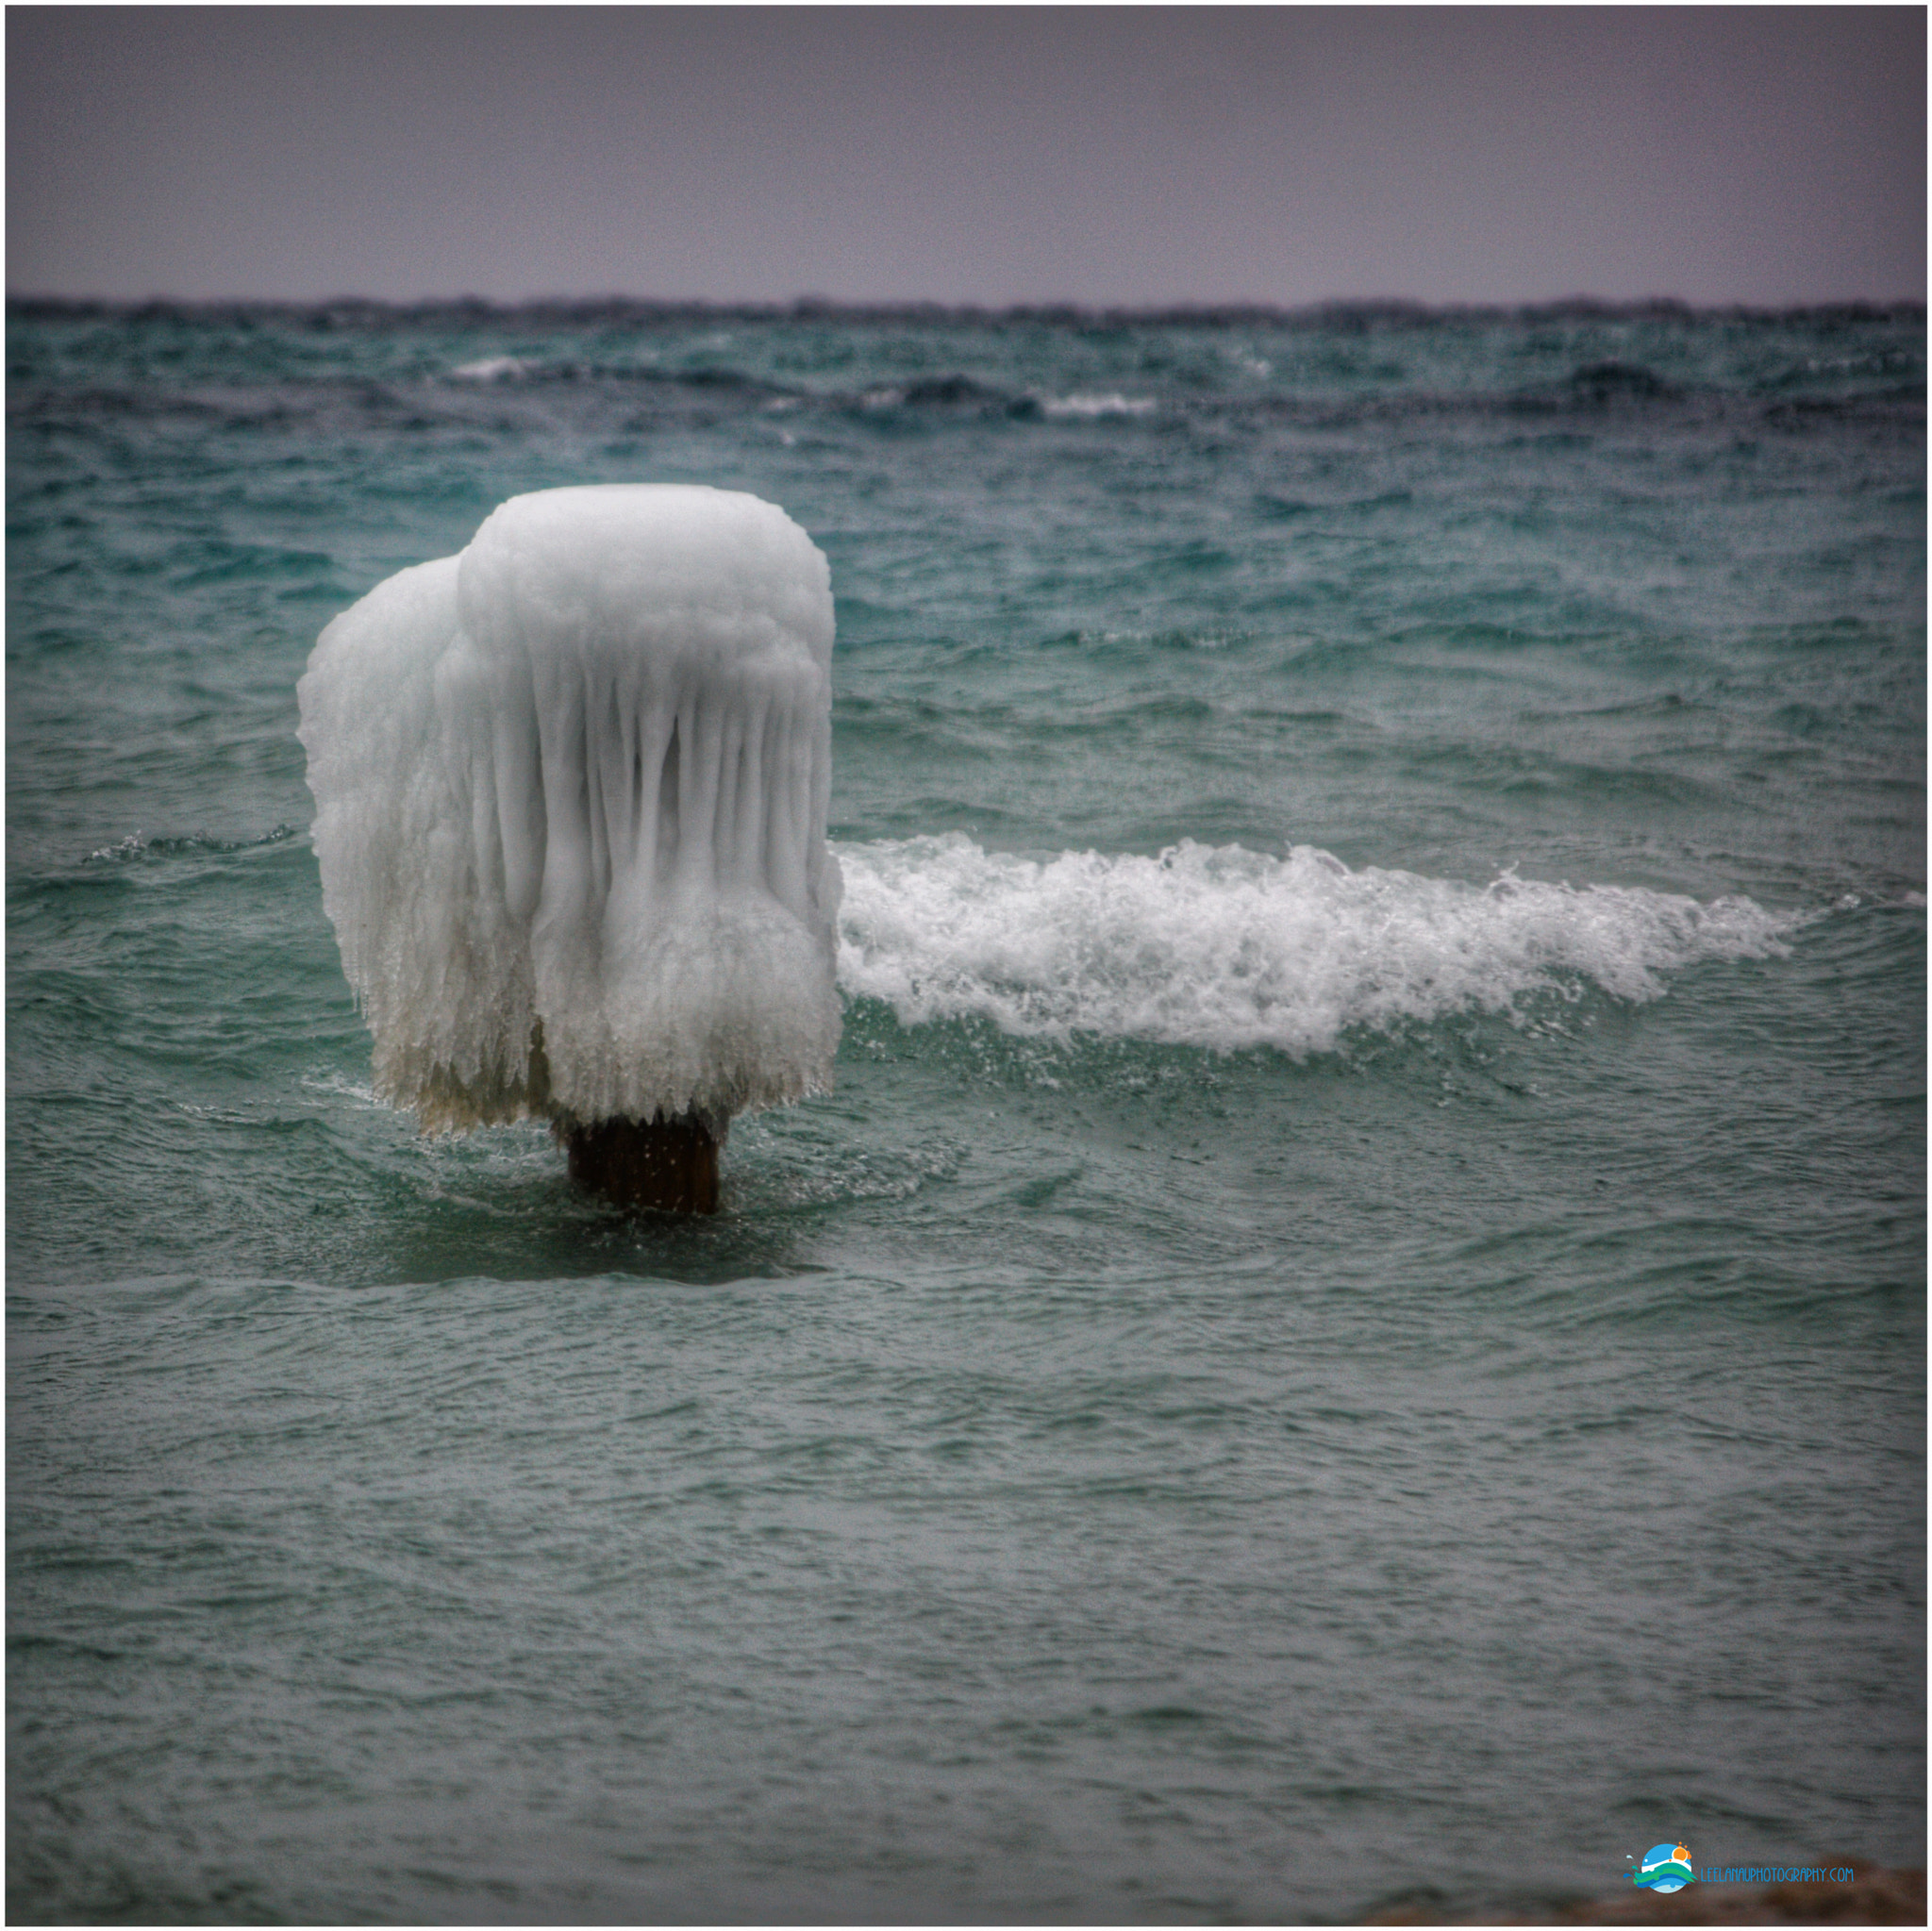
[
  {"x": 1091, "y": 405},
  {"x": 492, "y": 369}
]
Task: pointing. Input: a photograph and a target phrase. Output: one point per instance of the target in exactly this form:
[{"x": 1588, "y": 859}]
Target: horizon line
[{"x": 1394, "y": 308}]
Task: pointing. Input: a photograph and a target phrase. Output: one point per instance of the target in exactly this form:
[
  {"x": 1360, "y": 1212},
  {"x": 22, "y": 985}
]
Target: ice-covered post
[{"x": 571, "y": 791}]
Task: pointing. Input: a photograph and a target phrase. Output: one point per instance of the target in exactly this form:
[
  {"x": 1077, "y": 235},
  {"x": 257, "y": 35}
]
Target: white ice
[{"x": 571, "y": 791}]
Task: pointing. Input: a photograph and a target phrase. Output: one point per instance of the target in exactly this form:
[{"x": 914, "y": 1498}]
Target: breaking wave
[{"x": 1228, "y": 948}]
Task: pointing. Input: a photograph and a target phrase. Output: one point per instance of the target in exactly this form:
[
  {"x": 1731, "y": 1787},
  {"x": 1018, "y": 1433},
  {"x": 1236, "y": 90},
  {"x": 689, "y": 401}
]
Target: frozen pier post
[{"x": 571, "y": 791}]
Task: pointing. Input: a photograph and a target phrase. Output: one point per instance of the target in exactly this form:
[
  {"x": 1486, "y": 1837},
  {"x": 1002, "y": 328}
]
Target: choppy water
[{"x": 1355, "y": 1326}]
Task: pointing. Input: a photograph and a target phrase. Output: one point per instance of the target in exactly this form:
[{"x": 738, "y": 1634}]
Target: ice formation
[{"x": 571, "y": 791}]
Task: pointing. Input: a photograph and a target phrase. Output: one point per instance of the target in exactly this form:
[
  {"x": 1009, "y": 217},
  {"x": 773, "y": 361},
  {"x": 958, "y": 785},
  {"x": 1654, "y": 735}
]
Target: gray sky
[{"x": 1101, "y": 156}]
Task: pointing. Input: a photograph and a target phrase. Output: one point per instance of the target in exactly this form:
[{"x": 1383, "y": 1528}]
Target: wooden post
[{"x": 668, "y": 1164}]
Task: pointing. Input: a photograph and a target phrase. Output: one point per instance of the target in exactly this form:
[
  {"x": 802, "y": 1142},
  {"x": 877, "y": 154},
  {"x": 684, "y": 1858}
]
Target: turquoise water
[{"x": 1354, "y": 1328}]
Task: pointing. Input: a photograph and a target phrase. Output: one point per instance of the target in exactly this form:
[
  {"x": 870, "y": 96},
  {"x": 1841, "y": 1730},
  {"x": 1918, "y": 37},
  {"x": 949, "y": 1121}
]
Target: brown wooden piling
[{"x": 671, "y": 1165}]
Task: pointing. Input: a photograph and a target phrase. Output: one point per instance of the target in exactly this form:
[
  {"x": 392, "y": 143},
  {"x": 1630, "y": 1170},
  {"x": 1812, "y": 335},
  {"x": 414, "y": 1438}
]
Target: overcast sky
[{"x": 1100, "y": 156}]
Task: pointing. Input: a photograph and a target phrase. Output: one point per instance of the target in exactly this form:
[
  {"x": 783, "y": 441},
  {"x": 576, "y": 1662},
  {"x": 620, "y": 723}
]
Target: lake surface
[{"x": 1352, "y": 1330}]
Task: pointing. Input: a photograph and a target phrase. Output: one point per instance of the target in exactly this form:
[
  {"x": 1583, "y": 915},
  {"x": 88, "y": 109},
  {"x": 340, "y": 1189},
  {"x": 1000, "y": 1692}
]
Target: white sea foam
[
  {"x": 570, "y": 796},
  {"x": 1229, "y": 948},
  {"x": 130, "y": 846},
  {"x": 1091, "y": 405},
  {"x": 492, "y": 369}
]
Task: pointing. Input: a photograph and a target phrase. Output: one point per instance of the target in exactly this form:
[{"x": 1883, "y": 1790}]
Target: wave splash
[{"x": 1228, "y": 948}]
